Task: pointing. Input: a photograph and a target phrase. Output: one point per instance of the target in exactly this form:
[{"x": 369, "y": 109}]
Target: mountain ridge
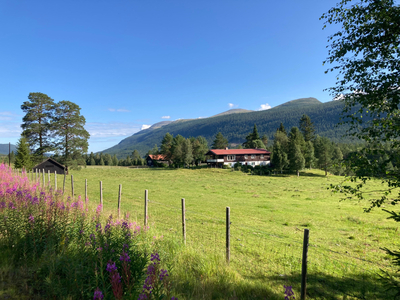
[{"x": 236, "y": 126}]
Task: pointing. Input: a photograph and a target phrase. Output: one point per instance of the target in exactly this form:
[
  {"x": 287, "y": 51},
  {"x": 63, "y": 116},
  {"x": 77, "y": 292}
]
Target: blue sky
[{"x": 133, "y": 63}]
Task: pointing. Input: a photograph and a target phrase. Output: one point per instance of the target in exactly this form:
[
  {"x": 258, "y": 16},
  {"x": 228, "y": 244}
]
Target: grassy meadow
[{"x": 268, "y": 215}]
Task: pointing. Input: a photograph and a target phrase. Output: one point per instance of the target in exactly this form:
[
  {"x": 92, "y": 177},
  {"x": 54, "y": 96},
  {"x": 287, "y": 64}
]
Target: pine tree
[
  {"x": 23, "y": 157},
  {"x": 323, "y": 152},
  {"x": 36, "y": 123},
  {"x": 220, "y": 142},
  {"x": 72, "y": 138},
  {"x": 135, "y": 155},
  {"x": 101, "y": 162}
]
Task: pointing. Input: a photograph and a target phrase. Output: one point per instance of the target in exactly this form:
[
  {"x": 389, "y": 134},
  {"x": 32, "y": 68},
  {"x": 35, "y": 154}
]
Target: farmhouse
[
  {"x": 252, "y": 157},
  {"x": 153, "y": 160},
  {"x": 49, "y": 165}
]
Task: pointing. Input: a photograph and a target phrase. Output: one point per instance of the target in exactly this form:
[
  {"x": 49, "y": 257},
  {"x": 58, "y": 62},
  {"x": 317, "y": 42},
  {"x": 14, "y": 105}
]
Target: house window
[
  {"x": 262, "y": 156},
  {"x": 246, "y": 157},
  {"x": 231, "y": 157},
  {"x": 253, "y": 156}
]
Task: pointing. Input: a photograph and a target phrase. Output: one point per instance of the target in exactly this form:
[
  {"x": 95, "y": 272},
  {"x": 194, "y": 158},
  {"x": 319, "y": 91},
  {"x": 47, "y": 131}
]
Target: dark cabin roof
[{"x": 52, "y": 161}]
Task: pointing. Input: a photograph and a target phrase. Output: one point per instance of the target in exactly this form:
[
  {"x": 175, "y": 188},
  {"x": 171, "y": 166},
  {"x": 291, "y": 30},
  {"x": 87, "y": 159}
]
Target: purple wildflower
[
  {"x": 98, "y": 227},
  {"x": 98, "y": 295},
  {"x": 124, "y": 257},
  {"x": 31, "y": 219},
  {"x": 155, "y": 257},
  {"x": 163, "y": 274},
  {"x": 288, "y": 292},
  {"x": 111, "y": 266},
  {"x": 142, "y": 297}
]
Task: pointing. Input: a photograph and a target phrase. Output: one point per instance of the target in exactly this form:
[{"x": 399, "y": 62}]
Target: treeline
[
  {"x": 101, "y": 159},
  {"x": 301, "y": 148}
]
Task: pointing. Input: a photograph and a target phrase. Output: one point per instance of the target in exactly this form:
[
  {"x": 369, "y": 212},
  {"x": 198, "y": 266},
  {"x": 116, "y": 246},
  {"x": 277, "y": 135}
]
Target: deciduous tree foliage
[{"x": 365, "y": 54}]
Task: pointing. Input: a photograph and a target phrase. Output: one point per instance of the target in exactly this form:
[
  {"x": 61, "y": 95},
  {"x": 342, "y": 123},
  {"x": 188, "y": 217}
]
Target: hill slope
[
  {"x": 236, "y": 126},
  {"x": 4, "y": 148}
]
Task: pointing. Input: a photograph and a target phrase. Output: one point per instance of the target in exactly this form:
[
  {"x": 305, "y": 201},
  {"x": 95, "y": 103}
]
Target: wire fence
[{"x": 287, "y": 250}]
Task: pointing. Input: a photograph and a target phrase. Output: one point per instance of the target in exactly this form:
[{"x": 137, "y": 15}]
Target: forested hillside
[{"x": 236, "y": 126}]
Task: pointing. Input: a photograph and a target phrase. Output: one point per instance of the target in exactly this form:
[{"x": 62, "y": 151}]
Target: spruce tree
[
  {"x": 282, "y": 129},
  {"x": 220, "y": 142},
  {"x": 297, "y": 161},
  {"x": 200, "y": 148},
  {"x": 23, "y": 157},
  {"x": 307, "y": 128},
  {"x": 309, "y": 154},
  {"x": 166, "y": 146},
  {"x": 115, "y": 160},
  {"x": 253, "y": 140},
  {"x": 279, "y": 157},
  {"x": 264, "y": 139}
]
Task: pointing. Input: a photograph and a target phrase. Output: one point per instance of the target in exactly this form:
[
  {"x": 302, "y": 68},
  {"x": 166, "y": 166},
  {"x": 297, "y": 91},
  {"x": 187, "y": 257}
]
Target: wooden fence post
[
  {"x": 146, "y": 195},
  {"x": 65, "y": 175},
  {"x": 304, "y": 265},
  {"x": 228, "y": 233},
  {"x": 183, "y": 221},
  {"x": 101, "y": 195},
  {"x": 55, "y": 181},
  {"x": 44, "y": 178},
  {"x": 36, "y": 175},
  {"x": 119, "y": 201},
  {"x": 72, "y": 186},
  {"x": 48, "y": 177}
]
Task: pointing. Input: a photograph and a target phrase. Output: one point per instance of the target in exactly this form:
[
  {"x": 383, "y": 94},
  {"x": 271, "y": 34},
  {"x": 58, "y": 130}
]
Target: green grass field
[{"x": 268, "y": 215}]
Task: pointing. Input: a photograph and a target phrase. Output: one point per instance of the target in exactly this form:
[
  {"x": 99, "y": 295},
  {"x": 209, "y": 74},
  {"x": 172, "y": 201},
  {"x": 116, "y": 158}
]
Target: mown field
[{"x": 268, "y": 215}]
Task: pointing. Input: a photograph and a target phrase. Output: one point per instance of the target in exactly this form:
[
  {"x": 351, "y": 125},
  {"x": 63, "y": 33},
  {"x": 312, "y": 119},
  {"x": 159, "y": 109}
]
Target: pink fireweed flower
[
  {"x": 31, "y": 219},
  {"x": 98, "y": 295}
]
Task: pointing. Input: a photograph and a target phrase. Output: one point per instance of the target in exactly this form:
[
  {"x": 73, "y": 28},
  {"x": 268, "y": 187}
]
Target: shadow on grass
[
  {"x": 222, "y": 289},
  {"x": 323, "y": 286}
]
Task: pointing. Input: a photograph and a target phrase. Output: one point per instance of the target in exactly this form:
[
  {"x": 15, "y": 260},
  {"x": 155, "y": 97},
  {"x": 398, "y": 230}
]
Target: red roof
[
  {"x": 157, "y": 157},
  {"x": 238, "y": 151}
]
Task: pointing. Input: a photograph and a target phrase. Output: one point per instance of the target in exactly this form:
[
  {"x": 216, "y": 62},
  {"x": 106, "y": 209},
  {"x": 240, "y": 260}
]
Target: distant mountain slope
[
  {"x": 232, "y": 111},
  {"x": 236, "y": 126},
  {"x": 4, "y": 148}
]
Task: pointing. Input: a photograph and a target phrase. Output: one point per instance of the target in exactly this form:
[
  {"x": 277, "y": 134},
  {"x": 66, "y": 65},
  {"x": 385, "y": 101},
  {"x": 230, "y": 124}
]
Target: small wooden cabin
[{"x": 50, "y": 165}]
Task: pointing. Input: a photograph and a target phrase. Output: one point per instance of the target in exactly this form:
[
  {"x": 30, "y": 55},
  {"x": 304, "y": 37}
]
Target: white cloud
[
  {"x": 101, "y": 130},
  {"x": 264, "y": 106},
  {"x": 118, "y": 109},
  {"x": 7, "y": 116},
  {"x": 165, "y": 117},
  {"x": 145, "y": 127},
  {"x": 10, "y": 129},
  {"x": 231, "y": 105}
]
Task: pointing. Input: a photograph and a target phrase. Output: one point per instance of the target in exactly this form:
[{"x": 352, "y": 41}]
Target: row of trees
[
  {"x": 51, "y": 127},
  {"x": 301, "y": 148},
  {"x": 100, "y": 159}
]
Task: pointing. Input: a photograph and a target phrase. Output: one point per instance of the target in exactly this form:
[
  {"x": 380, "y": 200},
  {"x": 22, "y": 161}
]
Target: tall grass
[{"x": 67, "y": 251}]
